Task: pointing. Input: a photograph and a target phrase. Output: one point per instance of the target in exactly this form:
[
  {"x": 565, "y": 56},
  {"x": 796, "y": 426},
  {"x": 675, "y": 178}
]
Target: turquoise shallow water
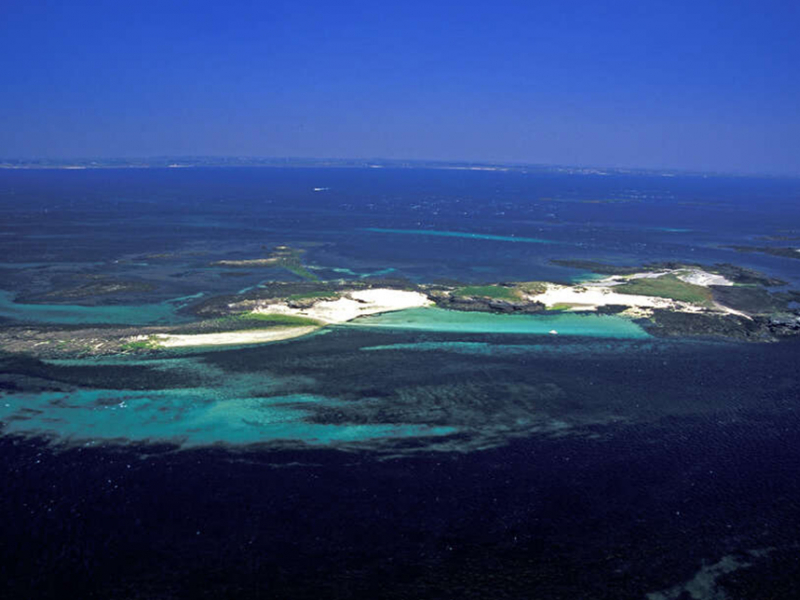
[
  {"x": 229, "y": 408},
  {"x": 218, "y": 405},
  {"x": 579, "y": 349},
  {"x": 70, "y": 314},
  {"x": 440, "y": 320},
  {"x": 189, "y": 417},
  {"x": 233, "y": 407},
  {"x": 462, "y": 234}
]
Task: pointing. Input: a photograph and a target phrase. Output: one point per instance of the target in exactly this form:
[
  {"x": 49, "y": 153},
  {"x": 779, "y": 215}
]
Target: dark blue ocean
[{"x": 391, "y": 463}]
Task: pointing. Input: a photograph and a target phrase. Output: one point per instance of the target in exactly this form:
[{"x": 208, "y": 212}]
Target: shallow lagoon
[
  {"x": 257, "y": 406},
  {"x": 186, "y": 417},
  {"x": 216, "y": 405},
  {"x": 72, "y": 314},
  {"x": 451, "y": 321},
  {"x": 441, "y": 391}
]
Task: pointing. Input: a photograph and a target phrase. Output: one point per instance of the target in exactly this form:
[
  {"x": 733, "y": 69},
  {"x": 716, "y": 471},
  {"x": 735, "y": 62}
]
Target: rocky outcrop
[
  {"x": 734, "y": 273},
  {"x": 665, "y": 323},
  {"x": 784, "y": 325}
]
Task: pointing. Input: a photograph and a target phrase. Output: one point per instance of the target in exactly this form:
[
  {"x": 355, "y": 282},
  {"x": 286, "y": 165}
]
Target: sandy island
[
  {"x": 591, "y": 295},
  {"x": 588, "y": 296},
  {"x": 248, "y": 336},
  {"x": 326, "y": 312},
  {"x": 286, "y": 314},
  {"x": 352, "y": 305}
]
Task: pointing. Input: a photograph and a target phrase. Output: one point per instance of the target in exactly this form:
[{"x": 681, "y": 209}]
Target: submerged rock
[
  {"x": 478, "y": 304},
  {"x": 666, "y": 323}
]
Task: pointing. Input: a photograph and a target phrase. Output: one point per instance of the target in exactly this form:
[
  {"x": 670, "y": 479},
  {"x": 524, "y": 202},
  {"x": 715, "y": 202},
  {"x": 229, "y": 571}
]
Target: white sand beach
[
  {"x": 591, "y": 297},
  {"x": 698, "y": 277},
  {"x": 694, "y": 276},
  {"x": 352, "y": 305},
  {"x": 231, "y": 338}
]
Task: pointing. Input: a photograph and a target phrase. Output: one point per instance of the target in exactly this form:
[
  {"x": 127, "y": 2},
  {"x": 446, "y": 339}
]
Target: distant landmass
[{"x": 177, "y": 162}]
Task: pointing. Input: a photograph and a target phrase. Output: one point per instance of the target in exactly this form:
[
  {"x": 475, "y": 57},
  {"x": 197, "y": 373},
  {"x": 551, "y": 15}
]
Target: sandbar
[
  {"x": 350, "y": 306},
  {"x": 231, "y": 338}
]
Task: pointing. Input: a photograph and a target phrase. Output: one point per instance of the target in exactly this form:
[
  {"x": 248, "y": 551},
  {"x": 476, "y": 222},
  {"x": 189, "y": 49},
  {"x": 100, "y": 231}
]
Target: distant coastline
[{"x": 183, "y": 162}]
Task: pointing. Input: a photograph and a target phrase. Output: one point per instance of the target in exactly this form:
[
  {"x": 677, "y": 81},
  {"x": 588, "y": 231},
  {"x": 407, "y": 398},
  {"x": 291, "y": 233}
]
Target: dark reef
[
  {"x": 782, "y": 252},
  {"x": 666, "y": 323},
  {"x": 483, "y": 304}
]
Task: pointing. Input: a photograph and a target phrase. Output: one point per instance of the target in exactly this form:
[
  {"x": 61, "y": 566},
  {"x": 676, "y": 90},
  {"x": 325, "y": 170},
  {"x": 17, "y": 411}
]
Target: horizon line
[{"x": 145, "y": 161}]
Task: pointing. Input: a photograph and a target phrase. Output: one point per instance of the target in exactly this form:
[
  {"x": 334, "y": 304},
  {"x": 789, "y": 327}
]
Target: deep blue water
[
  {"x": 86, "y": 216},
  {"x": 413, "y": 463}
]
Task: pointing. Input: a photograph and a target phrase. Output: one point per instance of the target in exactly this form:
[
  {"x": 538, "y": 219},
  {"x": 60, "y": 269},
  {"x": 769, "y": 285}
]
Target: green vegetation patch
[
  {"x": 151, "y": 343},
  {"x": 277, "y": 318},
  {"x": 488, "y": 291},
  {"x": 245, "y": 321},
  {"x": 666, "y": 286}
]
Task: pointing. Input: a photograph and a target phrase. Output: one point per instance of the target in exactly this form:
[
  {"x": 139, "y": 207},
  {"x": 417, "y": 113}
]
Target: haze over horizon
[{"x": 700, "y": 86}]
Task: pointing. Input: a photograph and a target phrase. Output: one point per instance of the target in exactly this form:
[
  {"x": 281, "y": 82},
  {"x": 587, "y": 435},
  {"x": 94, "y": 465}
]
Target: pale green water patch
[
  {"x": 489, "y": 349},
  {"x": 378, "y": 273},
  {"x": 451, "y": 321},
  {"x": 260, "y": 284},
  {"x": 71, "y": 314},
  {"x": 347, "y": 271},
  {"x": 219, "y": 408},
  {"x": 462, "y": 234},
  {"x": 183, "y": 301},
  {"x": 672, "y": 229},
  {"x": 189, "y": 417},
  {"x": 343, "y": 270},
  {"x": 587, "y": 277}
]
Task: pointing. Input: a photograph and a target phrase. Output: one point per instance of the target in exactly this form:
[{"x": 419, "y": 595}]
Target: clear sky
[{"x": 705, "y": 85}]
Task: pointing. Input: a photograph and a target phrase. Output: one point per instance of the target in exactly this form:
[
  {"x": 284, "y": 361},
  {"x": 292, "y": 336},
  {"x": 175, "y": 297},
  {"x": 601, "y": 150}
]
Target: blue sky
[{"x": 691, "y": 85}]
